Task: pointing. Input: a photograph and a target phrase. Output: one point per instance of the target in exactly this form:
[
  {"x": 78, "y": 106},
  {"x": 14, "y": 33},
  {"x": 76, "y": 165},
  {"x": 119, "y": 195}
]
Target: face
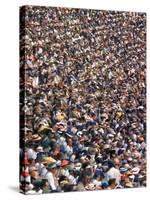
[
  {"x": 54, "y": 171},
  {"x": 69, "y": 142},
  {"x": 98, "y": 178}
]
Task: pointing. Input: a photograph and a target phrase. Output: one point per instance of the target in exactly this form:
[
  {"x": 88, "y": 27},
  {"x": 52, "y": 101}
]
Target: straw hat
[
  {"x": 48, "y": 160},
  {"x": 36, "y": 138},
  {"x": 42, "y": 128}
]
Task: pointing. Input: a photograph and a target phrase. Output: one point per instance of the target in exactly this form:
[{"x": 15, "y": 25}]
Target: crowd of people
[{"x": 82, "y": 99}]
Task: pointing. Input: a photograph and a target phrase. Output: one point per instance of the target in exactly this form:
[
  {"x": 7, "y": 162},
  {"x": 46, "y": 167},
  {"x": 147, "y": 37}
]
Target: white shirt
[
  {"x": 114, "y": 173},
  {"x": 65, "y": 172},
  {"x": 49, "y": 176},
  {"x": 97, "y": 183},
  {"x": 31, "y": 154},
  {"x": 42, "y": 169},
  {"x": 26, "y": 179}
]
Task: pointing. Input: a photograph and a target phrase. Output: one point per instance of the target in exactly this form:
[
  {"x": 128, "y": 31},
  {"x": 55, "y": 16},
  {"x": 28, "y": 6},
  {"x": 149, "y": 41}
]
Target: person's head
[
  {"x": 69, "y": 187},
  {"x": 69, "y": 141},
  {"x": 45, "y": 183},
  {"x": 116, "y": 162},
  {"x": 110, "y": 164},
  {"x": 24, "y": 186},
  {"x": 99, "y": 175},
  {"x": 112, "y": 183},
  {"x": 37, "y": 185},
  {"x": 52, "y": 168}
]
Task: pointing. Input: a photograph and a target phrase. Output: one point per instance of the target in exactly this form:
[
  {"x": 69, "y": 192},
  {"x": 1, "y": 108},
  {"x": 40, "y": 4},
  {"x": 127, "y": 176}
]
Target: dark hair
[
  {"x": 112, "y": 181},
  {"x": 68, "y": 188}
]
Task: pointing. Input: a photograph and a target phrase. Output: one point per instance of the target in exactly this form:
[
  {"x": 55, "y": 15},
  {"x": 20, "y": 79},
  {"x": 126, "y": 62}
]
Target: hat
[
  {"x": 119, "y": 114},
  {"x": 48, "y": 160},
  {"x": 110, "y": 135},
  {"x": 69, "y": 134},
  {"x": 106, "y": 146},
  {"x": 130, "y": 159},
  {"x": 124, "y": 162},
  {"x": 36, "y": 138},
  {"x": 135, "y": 170},
  {"x": 52, "y": 165},
  {"x": 88, "y": 167},
  {"x": 132, "y": 177},
  {"x": 59, "y": 116},
  {"x": 122, "y": 169},
  {"x": 64, "y": 163},
  {"x": 79, "y": 133},
  {"x": 127, "y": 166},
  {"x": 43, "y": 127}
]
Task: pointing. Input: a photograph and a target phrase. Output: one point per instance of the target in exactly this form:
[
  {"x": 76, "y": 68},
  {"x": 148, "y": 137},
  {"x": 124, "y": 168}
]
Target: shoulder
[{"x": 48, "y": 175}]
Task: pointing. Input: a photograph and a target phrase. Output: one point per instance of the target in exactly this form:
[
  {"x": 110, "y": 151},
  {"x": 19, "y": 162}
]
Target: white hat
[
  {"x": 132, "y": 177},
  {"x": 110, "y": 135},
  {"x": 130, "y": 159},
  {"x": 135, "y": 170},
  {"x": 106, "y": 146}
]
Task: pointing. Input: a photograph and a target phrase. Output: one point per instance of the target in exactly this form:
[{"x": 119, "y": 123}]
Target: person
[
  {"x": 51, "y": 177},
  {"x": 113, "y": 173},
  {"x": 98, "y": 178},
  {"x": 83, "y": 181},
  {"x": 112, "y": 184},
  {"x": 85, "y": 99}
]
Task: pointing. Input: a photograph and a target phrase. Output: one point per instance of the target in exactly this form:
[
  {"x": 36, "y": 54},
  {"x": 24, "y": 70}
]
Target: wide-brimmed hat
[
  {"x": 52, "y": 165},
  {"x": 69, "y": 134},
  {"x": 135, "y": 170},
  {"x": 122, "y": 170},
  {"x": 43, "y": 127},
  {"x": 36, "y": 138},
  {"x": 48, "y": 160}
]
